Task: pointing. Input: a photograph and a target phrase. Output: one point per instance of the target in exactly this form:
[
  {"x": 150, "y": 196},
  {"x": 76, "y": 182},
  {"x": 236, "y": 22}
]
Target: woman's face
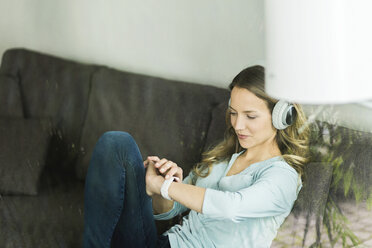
[{"x": 251, "y": 119}]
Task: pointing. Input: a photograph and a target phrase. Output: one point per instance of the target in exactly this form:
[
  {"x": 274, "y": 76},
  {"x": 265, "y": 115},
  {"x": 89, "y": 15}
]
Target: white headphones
[{"x": 283, "y": 115}]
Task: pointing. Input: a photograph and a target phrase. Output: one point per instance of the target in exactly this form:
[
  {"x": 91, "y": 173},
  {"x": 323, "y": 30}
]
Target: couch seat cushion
[{"x": 52, "y": 219}]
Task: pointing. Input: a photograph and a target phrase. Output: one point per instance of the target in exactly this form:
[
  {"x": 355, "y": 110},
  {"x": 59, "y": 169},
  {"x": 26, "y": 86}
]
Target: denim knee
[
  {"x": 122, "y": 144},
  {"x": 116, "y": 137}
]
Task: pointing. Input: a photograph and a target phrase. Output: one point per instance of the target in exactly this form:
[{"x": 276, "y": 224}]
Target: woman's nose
[{"x": 239, "y": 123}]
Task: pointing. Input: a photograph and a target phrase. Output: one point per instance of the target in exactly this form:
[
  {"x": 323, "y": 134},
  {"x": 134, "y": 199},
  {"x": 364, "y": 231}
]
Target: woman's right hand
[
  {"x": 149, "y": 159},
  {"x": 153, "y": 179}
]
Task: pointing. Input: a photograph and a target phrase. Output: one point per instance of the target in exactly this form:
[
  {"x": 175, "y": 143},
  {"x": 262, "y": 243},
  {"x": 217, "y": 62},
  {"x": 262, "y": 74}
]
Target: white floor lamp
[{"x": 319, "y": 51}]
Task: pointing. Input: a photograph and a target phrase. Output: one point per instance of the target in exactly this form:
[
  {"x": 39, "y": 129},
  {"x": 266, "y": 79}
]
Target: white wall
[{"x": 203, "y": 41}]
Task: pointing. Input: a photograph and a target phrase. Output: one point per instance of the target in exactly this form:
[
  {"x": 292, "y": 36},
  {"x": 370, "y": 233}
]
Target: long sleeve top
[{"x": 242, "y": 210}]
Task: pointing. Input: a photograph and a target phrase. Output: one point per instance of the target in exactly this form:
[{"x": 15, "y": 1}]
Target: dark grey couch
[
  {"x": 57, "y": 109},
  {"x": 52, "y": 111}
]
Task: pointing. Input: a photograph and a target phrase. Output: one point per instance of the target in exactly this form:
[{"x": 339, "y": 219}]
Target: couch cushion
[
  {"x": 167, "y": 118},
  {"x": 23, "y": 148},
  {"x": 52, "y": 219},
  {"x": 349, "y": 151},
  {"x": 10, "y": 97},
  {"x": 55, "y": 88},
  {"x": 217, "y": 126},
  {"x": 313, "y": 195},
  {"x": 355, "y": 173},
  {"x": 308, "y": 209}
]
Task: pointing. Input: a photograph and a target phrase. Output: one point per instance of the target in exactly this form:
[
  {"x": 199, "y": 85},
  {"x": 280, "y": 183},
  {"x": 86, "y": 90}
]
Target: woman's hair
[{"x": 292, "y": 141}]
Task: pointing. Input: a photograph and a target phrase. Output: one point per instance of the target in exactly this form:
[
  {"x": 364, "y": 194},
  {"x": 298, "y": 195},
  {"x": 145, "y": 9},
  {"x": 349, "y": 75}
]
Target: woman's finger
[
  {"x": 153, "y": 158},
  {"x": 150, "y": 159},
  {"x": 178, "y": 174},
  {"x": 146, "y": 163},
  {"x": 159, "y": 163},
  {"x": 165, "y": 167},
  {"x": 172, "y": 172},
  {"x": 151, "y": 170}
]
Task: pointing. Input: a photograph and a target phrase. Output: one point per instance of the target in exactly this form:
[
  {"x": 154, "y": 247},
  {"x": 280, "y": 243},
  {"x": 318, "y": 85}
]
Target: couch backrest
[
  {"x": 166, "y": 118},
  {"x": 54, "y": 88},
  {"x": 10, "y": 97},
  {"x": 349, "y": 152},
  {"x": 176, "y": 120}
]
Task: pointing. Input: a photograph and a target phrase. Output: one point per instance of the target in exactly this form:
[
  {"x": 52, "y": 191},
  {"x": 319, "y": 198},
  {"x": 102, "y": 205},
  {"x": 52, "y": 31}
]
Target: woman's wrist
[
  {"x": 153, "y": 185},
  {"x": 164, "y": 188},
  {"x": 158, "y": 182},
  {"x": 160, "y": 205}
]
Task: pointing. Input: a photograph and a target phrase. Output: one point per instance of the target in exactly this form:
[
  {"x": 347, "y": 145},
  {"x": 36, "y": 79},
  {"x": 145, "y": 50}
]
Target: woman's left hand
[{"x": 168, "y": 169}]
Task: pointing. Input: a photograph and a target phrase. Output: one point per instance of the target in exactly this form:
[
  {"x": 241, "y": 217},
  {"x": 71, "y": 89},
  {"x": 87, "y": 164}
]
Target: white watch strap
[{"x": 165, "y": 186}]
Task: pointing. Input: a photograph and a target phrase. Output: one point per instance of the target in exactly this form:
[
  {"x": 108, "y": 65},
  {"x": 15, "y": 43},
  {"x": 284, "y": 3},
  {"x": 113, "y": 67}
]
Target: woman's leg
[{"x": 117, "y": 209}]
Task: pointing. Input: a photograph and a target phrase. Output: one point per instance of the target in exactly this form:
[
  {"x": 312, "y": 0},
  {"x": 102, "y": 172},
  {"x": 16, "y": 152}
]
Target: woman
[{"x": 239, "y": 194}]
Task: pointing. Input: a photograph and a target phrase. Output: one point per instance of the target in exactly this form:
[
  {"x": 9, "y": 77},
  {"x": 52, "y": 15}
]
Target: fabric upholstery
[
  {"x": 351, "y": 148},
  {"x": 354, "y": 147},
  {"x": 55, "y": 88},
  {"x": 52, "y": 219},
  {"x": 170, "y": 119},
  {"x": 23, "y": 148},
  {"x": 313, "y": 195},
  {"x": 217, "y": 126},
  {"x": 10, "y": 97},
  {"x": 309, "y": 206},
  {"x": 167, "y": 118}
]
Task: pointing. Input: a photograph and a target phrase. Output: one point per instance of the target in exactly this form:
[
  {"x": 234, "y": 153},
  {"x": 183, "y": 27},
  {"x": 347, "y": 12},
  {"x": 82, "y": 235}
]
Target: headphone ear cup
[
  {"x": 283, "y": 115},
  {"x": 291, "y": 115}
]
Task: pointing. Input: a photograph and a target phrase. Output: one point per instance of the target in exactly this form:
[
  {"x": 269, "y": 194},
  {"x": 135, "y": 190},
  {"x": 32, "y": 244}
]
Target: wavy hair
[{"x": 293, "y": 141}]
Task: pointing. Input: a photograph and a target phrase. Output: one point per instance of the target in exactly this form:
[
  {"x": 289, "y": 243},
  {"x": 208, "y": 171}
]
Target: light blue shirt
[{"x": 242, "y": 210}]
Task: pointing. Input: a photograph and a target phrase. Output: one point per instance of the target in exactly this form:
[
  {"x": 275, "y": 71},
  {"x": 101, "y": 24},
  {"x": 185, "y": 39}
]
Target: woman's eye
[{"x": 248, "y": 116}]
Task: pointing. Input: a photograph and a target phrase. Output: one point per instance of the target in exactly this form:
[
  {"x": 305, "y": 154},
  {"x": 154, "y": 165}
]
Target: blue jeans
[{"x": 117, "y": 210}]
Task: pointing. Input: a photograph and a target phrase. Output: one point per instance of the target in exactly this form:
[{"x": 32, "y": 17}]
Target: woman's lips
[{"x": 242, "y": 136}]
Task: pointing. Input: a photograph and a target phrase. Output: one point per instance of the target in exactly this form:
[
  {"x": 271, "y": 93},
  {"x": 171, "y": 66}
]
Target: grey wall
[{"x": 204, "y": 41}]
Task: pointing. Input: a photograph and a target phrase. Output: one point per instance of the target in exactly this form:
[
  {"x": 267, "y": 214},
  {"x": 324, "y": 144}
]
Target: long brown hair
[{"x": 292, "y": 141}]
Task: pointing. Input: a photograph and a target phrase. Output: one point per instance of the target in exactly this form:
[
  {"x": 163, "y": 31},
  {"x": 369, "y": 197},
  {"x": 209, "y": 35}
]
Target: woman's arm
[
  {"x": 272, "y": 194},
  {"x": 153, "y": 180},
  {"x": 188, "y": 195},
  {"x": 161, "y": 205}
]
